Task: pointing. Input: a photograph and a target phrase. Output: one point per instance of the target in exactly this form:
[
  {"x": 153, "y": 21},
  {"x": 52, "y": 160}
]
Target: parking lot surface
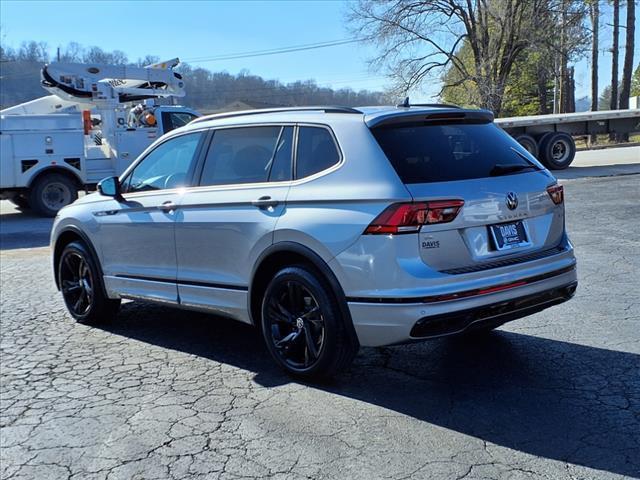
[{"x": 165, "y": 394}]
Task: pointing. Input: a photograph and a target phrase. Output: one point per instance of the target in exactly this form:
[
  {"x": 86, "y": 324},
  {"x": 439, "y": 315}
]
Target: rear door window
[
  {"x": 248, "y": 155},
  {"x": 317, "y": 151},
  {"x": 449, "y": 152}
]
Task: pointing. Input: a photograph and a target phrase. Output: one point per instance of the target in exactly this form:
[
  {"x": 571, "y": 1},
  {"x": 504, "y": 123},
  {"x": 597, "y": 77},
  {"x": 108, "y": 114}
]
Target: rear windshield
[{"x": 448, "y": 152}]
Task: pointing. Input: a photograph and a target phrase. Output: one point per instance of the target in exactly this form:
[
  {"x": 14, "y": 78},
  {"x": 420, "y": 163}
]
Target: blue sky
[{"x": 195, "y": 29}]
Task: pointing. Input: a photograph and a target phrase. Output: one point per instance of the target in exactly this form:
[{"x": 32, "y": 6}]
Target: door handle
[
  {"x": 167, "y": 206},
  {"x": 264, "y": 202}
]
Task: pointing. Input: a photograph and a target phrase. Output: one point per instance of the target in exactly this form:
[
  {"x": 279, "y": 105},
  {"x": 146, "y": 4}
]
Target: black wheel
[
  {"x": 529, "y": 143},
  {"x": 557, "y": 150},
  {"x": 52, "y": 192},
  {"x": 21, "y": 202},
  {"x": 82, "y": 287},
  {"x": 303, "y": 326}
]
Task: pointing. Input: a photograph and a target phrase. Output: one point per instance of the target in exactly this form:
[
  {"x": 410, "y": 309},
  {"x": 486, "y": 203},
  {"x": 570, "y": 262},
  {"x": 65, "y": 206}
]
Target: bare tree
[
  {"x": 627, "y": 70},
  {"x": 594, "y": 13},
  {"x": 419, "y": 39},
  {"x": 614, "y": 53}
]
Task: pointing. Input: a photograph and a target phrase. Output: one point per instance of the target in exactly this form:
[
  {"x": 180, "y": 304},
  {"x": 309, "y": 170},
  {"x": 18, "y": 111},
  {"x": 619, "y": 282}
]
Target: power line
[{"x": 274, "y": 51}]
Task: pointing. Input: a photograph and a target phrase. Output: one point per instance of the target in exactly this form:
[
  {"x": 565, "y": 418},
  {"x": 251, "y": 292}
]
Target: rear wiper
[{"x": 501, "y": 169}]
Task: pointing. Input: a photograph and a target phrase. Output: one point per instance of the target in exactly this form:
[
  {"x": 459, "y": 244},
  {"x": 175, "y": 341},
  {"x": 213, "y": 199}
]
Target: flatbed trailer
[{"x": 550, "y": 138}]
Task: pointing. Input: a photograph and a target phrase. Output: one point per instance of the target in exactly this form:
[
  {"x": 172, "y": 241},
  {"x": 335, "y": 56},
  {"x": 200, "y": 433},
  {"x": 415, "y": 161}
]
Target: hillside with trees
[{"x": 206, "y": 90}]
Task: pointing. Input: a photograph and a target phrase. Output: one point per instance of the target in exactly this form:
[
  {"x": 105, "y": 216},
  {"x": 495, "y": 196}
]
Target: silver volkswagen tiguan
[{"x": 326, "y": 227}]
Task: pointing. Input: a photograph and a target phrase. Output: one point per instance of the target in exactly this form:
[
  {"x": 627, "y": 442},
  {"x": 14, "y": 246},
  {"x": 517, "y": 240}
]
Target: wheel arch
[
  {"x": 280, "y": 255},
  {"x": 59, "y": 169},
  {"x": 67, "y": 235}
]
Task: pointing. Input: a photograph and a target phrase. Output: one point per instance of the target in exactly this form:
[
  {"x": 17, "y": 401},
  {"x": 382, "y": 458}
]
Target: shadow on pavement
[
  {"x": 20, "y": 229},
  {"x": 547, "y": 398},
  {"x": 597, "y": 171}
]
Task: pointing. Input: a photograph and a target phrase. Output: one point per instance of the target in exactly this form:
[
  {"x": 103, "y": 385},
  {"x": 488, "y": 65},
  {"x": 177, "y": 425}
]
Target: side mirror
[{"x": 110, "y": 187}]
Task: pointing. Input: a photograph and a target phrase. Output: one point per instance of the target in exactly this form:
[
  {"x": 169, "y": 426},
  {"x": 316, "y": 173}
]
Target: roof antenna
[{"x": 404, "y": 104}]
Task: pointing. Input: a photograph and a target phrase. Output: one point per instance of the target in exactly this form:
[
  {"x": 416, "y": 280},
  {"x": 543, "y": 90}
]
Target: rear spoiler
[{"x": 426, "y": 117}]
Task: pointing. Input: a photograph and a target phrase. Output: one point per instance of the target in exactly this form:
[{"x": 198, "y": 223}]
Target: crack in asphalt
[{"x": 165, "y": 394}]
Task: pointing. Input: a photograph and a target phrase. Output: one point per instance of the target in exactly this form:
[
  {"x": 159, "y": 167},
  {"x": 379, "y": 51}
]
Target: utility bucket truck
[{"x": 98, "y": 119}]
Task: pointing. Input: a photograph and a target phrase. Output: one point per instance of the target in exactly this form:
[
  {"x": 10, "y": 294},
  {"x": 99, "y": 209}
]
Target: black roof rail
[{"x": 242, "y": 113}]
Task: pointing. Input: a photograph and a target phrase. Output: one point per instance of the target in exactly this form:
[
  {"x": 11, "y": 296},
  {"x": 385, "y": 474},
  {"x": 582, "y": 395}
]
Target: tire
[
  {"x": 557, "y": 150},
  {"x": 303, "y": 327},
  {"x": 51, "y": 192},
  {"x": 21, "y": 202},
  {"x": 82, "y": 288},
  {"x": 529, "y": 143}
]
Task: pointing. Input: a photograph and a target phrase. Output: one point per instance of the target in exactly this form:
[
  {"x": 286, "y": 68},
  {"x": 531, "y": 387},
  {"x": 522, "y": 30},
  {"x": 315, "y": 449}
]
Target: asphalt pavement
[{"x": 165, "y": 394}]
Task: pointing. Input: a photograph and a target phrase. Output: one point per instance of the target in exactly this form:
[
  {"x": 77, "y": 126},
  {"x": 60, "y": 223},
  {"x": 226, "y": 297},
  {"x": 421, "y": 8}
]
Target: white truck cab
[{"x": 98, "y": 120}]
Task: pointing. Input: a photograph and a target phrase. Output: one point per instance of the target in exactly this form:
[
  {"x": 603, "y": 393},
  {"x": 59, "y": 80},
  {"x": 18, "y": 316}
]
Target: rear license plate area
[{"x": 509, "y": 235}]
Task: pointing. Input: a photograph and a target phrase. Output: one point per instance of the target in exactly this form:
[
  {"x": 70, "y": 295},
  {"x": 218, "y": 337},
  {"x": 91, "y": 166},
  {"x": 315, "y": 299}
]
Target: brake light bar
[
  {"x": 409, "y": 217},
  {"x": 556, "y": 192}
]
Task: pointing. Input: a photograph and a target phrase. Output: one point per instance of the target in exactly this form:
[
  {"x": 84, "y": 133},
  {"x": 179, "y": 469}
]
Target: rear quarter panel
[{"x": 328, "y": 212}]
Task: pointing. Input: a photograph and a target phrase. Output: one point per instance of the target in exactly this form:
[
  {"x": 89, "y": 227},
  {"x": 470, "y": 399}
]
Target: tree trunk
[
  {"x": 595, "y": 25},
  {"x": 543, "y": 99},
  {"x": 614, "y": 52},
  {"x": 614, "y": 62},
  {"x": 571, "y": 91},
  {"x": 595, "y": 18},
  {"x": 627, "y": 70},
  {"x": 562, "y": 101}
]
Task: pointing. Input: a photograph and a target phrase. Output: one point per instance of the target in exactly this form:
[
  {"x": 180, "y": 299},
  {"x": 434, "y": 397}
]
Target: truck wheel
[
  {"x": 52, "y": 192},
  {"x": 557, "y": 150},
  {"x": 529, "y": 143},
  {"x": 21, "y": 202}
]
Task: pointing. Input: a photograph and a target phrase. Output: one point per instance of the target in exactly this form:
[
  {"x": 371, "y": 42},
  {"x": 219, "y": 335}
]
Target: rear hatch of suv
[{"x": 480, "y": 199}]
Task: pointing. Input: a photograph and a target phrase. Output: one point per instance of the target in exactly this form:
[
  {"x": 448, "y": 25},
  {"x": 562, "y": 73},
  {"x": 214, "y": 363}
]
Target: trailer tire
[
  {"x": 557, "y": 150},
  {"x": 529, "y": 143},
  {"x": 51, "y": 192}
]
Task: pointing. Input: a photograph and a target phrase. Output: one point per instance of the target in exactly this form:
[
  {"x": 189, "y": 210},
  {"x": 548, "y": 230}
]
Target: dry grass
[{"x": 582, "y": 142}]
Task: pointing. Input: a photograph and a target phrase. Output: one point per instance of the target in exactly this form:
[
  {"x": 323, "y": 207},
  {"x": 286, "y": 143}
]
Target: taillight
[
  {"x": 409, "y": 217},
  {"x": 556, "y": 192}
]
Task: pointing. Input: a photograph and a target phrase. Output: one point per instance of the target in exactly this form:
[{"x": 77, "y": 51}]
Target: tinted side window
[
  {"x": 242, "y": 155},
  {"x": 442, "y": 153},
  {"x": 317, "y": 151},
  {"x": 281, "y": 165},
  {"x": 167, "y": 166}
]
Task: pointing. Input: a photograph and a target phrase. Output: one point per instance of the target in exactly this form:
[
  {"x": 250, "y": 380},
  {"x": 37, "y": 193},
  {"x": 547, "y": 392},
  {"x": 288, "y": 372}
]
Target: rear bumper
[
  {"x": 491, "y": 315},
  {"x": 379, "y": 323}
]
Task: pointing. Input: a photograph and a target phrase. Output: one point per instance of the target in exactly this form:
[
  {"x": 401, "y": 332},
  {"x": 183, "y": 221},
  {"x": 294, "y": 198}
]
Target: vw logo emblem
[{"x": 512, "y": 200}]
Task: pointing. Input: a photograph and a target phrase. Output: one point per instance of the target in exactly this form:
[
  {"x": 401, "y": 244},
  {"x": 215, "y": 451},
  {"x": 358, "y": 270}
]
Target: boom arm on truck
[{"x": 88, "y": 129}]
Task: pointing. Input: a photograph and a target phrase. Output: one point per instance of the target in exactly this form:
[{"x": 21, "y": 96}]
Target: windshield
[{"x": 449, "y": 152}]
